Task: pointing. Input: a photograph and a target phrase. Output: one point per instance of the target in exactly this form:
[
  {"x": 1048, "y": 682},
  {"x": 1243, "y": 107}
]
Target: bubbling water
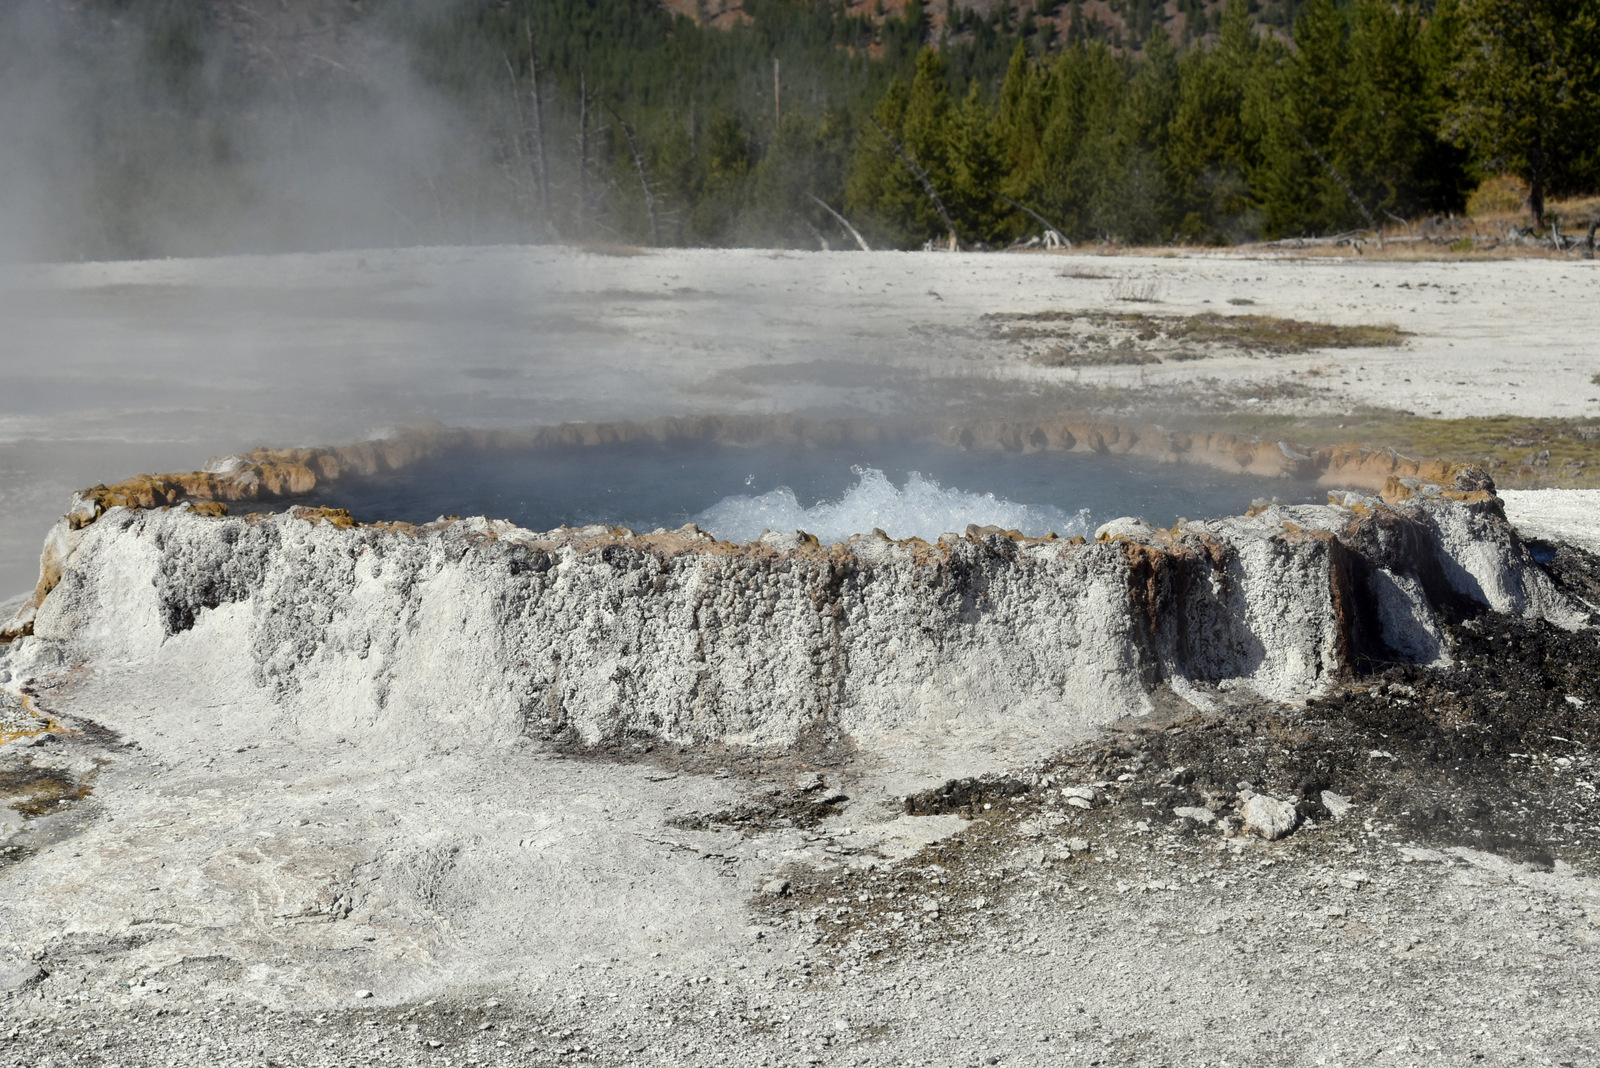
[{"x": 920, "y": 509}]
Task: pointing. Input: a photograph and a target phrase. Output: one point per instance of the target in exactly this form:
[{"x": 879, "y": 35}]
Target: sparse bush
[{"x": 1499, "y": 194}]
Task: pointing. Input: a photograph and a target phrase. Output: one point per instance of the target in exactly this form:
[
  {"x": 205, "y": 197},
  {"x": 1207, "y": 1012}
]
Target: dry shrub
[{"x": 1498, "y": 194}]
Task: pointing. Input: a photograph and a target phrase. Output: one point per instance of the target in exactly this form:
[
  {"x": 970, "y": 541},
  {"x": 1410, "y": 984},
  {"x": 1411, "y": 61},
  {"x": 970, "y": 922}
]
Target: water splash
[{"x": 923, "y": 509}]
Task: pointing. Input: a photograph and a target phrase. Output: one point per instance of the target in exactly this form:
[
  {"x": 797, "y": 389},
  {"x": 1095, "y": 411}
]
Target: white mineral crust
[{"x": 480, "y": 626}]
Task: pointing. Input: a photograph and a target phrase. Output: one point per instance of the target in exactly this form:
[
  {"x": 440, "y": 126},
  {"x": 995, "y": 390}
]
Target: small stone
[
  {"x": 1338, "y": 805},
  {"x": 1079, "y": 802},
  {"x": 1353, "y": 880},
  {"x": 1123, "y": 527},
  {"x": 1078, "y": 845},
  {"x": 1084, "y": 792},
  {"x": 1190, "y": 812},
  {"x": 776, "y": 888},
  {"x": 1269, "y": 817},
  {"x": 363, "y": 994},
  {"x": 434, "y": 1043},
  {"x": 807, "y": 782}
]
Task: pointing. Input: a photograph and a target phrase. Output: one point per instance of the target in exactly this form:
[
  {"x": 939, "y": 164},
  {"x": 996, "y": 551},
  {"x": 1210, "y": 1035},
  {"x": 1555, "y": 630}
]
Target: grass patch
[
  {"x": 1084, "y": 338},
  {"x": 1270, "y": 333}
]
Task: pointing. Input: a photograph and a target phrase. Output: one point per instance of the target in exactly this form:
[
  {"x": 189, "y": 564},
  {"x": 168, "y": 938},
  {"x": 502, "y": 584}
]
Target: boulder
[{"x": 1269, "y": 818}]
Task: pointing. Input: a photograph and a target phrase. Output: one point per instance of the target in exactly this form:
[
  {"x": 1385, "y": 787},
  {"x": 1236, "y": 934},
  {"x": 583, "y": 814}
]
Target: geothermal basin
[
  {"x": 276, "y": 736},
  {"x": 832, "y": 491},
  {"x": 773, "y": 595}
]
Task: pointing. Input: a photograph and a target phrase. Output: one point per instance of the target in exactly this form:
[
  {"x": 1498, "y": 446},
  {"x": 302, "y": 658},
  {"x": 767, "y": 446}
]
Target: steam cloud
[{"x": 172, "y": 127}]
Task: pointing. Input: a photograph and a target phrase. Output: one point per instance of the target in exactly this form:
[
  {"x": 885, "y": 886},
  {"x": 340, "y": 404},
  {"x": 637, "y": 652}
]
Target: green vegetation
[
  {"x": 618, "y": 121},
  {"x": 1524, "y": 90}
]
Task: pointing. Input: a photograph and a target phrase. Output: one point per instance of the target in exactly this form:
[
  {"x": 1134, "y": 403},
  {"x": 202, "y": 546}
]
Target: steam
[
  {"x": 922, "y": 509},
  {"x": 162, "y": 129}
]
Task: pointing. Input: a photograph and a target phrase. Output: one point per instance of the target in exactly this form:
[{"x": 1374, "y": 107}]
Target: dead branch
[
  {"x": 1349, "y": 190},
  {"x": 842, "y": 222},
  {"x": 921, "y": 176},
  {"x": 1049, "y": 227},
  {"x": 644, "y": 180}
]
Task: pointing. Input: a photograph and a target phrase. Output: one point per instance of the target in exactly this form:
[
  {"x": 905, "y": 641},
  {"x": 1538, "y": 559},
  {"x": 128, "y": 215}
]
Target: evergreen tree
[
  {"x": 1302, "y": 184},
  {"x": 1390, "y": 135},
  {"x": 1210, "y": 150},
  {"x": 1083, "y": 98},
  {"x": 1527, "y": 92},
  {"x": 1133, "y": 201},
  {"x": 1019, "y": 135}
]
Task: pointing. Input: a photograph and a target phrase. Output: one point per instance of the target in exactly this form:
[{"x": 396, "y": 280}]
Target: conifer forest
[{"x": 804, "y": 123}]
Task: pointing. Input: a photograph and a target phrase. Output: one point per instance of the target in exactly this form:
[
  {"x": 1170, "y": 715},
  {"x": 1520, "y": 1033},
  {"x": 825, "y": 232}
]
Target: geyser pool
[
  {"x": 538, "y": 616},
  {"x": 832, "y": 491}
]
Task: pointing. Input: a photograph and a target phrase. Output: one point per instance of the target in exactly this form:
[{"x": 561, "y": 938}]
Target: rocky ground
[{"x": 1401, "y": 872}]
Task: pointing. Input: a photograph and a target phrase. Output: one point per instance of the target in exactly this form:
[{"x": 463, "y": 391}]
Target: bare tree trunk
[
  {"x": 1588, "y": 243},
  {"x": 1349, "y": 190},
  {"x": 583, "y": 150},
  {"x": 644, "y": 180},
  {"x": 1536, "y": 194},
  {"x": 816, "y": 234},
  {"x": 1049, "y": 227},
  {"x": 923, "y": 178},
  {"x": 519, "y": 159},
  {"x": 542, "y": 175}
]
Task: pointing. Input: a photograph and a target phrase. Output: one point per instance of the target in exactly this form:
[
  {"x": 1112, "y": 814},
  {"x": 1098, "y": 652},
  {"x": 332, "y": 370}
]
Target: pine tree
[
  {"x": 1389, "y": 148},
  {"x": 1133, "y": 201},
  {"x": 1301, "y": 184},
  {"x": 1019, "y": 134},
  {"x": 1082, "y": 101},
  {"x": 1210, "y": 149},
  {"x": 1527, "y": 92}
]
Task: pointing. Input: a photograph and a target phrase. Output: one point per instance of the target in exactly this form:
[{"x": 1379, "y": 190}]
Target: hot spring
[
  {"x": 613, "y": 581},
  {"x": 736, "y": 492}
]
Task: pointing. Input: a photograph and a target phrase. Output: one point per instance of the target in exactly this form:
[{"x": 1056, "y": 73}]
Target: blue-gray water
[{"x": 832, "y": 491}]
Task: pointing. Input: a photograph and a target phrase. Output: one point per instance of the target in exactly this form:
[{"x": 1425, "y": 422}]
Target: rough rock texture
[
  {"x": 1269, "y": 817},
  {"x": 598, "y": 635}
]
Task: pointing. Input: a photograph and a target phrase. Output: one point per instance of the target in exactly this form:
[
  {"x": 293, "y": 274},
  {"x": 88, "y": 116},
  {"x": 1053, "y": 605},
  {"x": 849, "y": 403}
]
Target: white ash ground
[
  {"x": 1571, "y": 516},
  {"x": 229, "y": 893},
  {"x": 229, "y": 889}
]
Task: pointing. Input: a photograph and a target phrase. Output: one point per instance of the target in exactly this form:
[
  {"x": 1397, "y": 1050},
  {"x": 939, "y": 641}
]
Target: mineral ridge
[{"x": 599, "y": 635}]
